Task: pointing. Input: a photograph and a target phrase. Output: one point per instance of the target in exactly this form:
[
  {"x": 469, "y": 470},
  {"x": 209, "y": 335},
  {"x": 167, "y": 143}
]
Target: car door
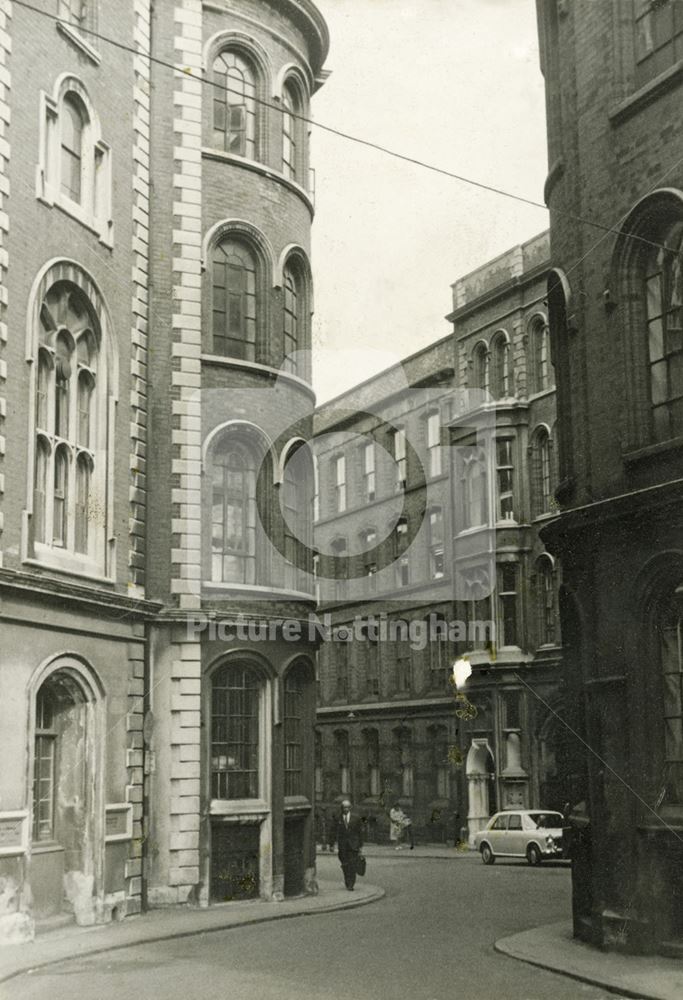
[
  {"x": 514, "y": 841},
  {"x": 496, "y": 834}
]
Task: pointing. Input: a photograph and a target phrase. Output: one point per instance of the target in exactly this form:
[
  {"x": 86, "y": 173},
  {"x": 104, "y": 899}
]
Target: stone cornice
[{"x": 46, "y": 588}]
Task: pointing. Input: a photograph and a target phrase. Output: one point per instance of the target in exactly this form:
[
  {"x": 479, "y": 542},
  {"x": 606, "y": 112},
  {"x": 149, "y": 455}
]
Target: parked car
[{"x": 534, "y": 834}]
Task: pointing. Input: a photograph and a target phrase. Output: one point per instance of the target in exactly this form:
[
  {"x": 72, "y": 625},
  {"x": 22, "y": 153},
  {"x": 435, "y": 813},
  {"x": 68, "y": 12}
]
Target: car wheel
[
  {"x": 533, "y": 855},
  {"x": 487, "y": 855}
]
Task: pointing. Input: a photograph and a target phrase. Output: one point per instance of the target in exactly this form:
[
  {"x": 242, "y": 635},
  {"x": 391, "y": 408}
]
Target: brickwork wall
[
  {"x": 5, "y": 87},
  {"x": 140, "y": 304}
]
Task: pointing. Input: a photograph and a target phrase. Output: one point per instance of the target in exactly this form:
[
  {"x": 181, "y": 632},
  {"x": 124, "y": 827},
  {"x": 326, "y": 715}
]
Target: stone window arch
[
  {"x": 480, "y": 366},
  {"x": 74, "y": 162},
  {"x": 500, "y": 375},
  {"x": 650, "y": 282},
  {"x": 72, "y": 447},
  {"x": 541, "y": 471},
  {"x": 540, "y": 367}
]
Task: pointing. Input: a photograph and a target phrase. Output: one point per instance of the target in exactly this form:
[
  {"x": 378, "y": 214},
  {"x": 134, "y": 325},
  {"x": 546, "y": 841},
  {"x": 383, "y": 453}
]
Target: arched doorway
[
  {"x": 66, "y": 849},
  {"x": 480, "y": 769}
]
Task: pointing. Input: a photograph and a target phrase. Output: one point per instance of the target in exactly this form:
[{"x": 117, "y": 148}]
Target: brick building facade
[
  {"x": 434, "y": 479},
  {"x": 613, "y": 75},
  {"x": 156, "y": 288}
]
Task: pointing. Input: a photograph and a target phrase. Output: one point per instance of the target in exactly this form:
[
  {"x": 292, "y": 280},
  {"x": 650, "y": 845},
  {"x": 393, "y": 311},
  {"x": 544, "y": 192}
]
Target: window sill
[
  {"x": 46, "y": 847},
  {"x": 260, "y": 168},
  {"x": 238, "y": 807},
  {"x": 68, "y": 564},
  {"x": 74, "y": 36},
  {"x": 54, "y": 199},
  {"x": 645, "y": 95},
  {"x": 632, "y": 457},
  {"x": 257, "y": 590},
  {"x": 297, "y": 804}
]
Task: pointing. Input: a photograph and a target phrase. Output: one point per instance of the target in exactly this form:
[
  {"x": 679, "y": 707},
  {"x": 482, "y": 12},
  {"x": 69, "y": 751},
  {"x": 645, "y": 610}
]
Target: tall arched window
[
  {"x": 669, "y": 634},
  {"x": 233, "y": 513},
  {"x": 234, "y": 300},
  {"x": 499, "y": 377},
  {"x": 663, "y": 292},
  {"x": 74, "y": 163},
  {"x": 292, "y": 318},
  {"x": 71, "y": 446},
  {"x": 74, "y": 119},
  {"x": 295, "y": 505},
  {"x": 541, "y": 368},
  {"x": 295, "y": 722},
  {"x": 234, "y": 104},
  {"x": 235, "y": 732},
  {"x": 541, "y": 466},
  {"x": 291, "y": 132},
  {"x": 480, "y": 373}
]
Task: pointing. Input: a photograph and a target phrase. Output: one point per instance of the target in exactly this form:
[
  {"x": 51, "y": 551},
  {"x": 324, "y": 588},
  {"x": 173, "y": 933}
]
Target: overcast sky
[{"x": 453, "y": 82}]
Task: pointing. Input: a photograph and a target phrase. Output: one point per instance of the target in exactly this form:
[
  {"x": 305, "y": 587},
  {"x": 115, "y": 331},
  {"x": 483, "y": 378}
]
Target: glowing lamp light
[{"x": 462, "y": 669}]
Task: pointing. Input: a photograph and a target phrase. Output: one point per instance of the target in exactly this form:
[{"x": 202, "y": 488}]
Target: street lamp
[{"x": 462, "y": 669}]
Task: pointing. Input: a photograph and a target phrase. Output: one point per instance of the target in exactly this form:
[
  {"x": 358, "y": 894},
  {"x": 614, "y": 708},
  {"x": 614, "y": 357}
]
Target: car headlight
[{"x": 550, "y": 843}]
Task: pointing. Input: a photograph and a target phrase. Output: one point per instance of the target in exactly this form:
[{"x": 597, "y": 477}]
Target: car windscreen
[{"x": 547, "y": 821}]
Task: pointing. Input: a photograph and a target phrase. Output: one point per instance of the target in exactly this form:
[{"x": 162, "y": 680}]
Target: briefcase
[{"x": 361, "y": 865}]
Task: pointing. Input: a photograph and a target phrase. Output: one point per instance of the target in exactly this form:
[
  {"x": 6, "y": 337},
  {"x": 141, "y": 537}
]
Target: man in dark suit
[{"x": 349, "y": 843}]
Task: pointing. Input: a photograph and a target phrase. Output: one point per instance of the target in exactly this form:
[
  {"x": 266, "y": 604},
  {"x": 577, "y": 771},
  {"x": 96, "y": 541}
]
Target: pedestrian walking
[
  {"x": 349, "y": 843},
  {"x": 401, "y": 826}
]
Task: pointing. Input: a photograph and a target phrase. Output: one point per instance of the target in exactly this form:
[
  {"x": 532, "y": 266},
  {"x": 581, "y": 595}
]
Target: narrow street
[{"x": 431, "y": 938}]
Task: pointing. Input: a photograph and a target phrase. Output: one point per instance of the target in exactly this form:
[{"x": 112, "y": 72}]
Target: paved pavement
[
  {"x": 553, "y": 947},
  {"x": 440, "y": 931},
  {"x": 77, "y": 942}
]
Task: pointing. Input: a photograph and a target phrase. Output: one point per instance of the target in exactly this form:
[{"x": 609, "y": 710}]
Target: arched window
[
  {"x": 292, "y": 318},
  {"x": 74, "y": 163},
  {"x": 295, "y": 505},
  {"x": 669, "y": 635},
  {"x": 234, "y": 300},
  {"x": 341, "y": 743},
  {"x": 71, "y": 445},
  {"x": 60, "y": 765},
  {"x": 371, "y": 762},
  {"x": 480, "y": 366},
  {"x": 235, "y": 732},
  {"x": 541, "y": 466},
  {"x": 403, "y": 748},
  {"x": 546, "y": 604},
  {"x": 234, "y": 104},
  {"x": 74, "y": 119},
  {"x": 291, "y": 132},
  {"x": 436, "y": 544},
  {"x": 664, "y": 317},
  {"x": 499, "y": 377},
  {"x": 541, "y": 368},
  {"x": 233, "y": 513},
  {"x": 294, "y": 723}
]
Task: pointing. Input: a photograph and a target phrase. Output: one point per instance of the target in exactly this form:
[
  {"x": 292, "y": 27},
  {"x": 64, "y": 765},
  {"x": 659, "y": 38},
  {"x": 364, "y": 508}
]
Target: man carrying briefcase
[{"x": 349, "y": 843}]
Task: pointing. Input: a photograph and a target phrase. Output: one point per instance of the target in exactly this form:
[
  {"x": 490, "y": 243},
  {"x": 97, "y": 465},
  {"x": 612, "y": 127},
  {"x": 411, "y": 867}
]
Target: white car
[{"x": 534, "y": 834}]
